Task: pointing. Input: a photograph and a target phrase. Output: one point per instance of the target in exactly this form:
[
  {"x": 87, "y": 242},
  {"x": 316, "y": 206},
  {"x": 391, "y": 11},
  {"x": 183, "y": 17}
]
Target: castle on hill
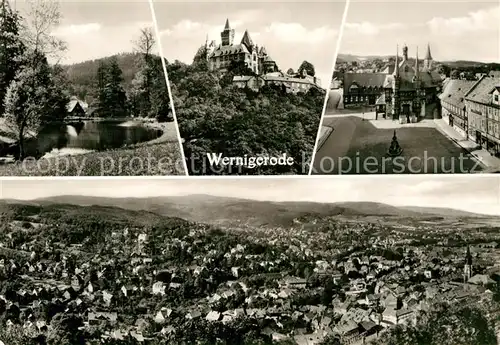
[
  {"x": 219, "y": 57},
  {"x": 256, "y": 58}
]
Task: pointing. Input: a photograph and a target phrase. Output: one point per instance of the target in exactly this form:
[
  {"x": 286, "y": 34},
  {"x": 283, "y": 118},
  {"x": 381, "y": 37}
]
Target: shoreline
[
  {"x": 163, "y": 138},
  {"x": 157, "y": 157}
]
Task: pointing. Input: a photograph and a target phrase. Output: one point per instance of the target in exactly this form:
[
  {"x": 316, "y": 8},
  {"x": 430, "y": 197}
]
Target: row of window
[
  {"x": 453, "y": 109},
  {"x": 481, "y": 123},
  {"x": 490, "y": 112}
]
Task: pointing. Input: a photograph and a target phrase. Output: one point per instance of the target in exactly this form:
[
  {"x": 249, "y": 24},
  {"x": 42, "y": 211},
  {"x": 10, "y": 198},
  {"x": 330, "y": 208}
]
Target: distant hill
[
  {"x": 235, "y": 211},
  {"x": 359, "y": 58},
  {"x": 83, "y": 76},
  {"x": 459, "y": 64},
  {"x": 464, "y": 64},
  {"x": 16, "y": 209}
]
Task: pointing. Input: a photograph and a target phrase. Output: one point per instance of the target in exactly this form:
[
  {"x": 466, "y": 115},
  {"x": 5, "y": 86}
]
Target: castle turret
[
  {"x": 247, "y": 41},
  {"x": 227, "y": 35}
]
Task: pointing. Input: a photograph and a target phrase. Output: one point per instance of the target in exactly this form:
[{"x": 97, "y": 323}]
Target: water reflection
[{"x": 90, "y": 135}]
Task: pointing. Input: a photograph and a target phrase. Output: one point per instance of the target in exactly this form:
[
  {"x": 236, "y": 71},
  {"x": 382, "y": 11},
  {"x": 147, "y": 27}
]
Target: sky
[
  {"x": 291, "y": 31},
  {"x": 95, "y": 29},
  {"x": 473, "y": 193},
  {"x": 455, "y": 30}
]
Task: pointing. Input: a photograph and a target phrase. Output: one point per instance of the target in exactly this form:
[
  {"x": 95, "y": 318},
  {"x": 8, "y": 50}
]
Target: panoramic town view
[
  {"x": 248, "y": 81},
  {"x": 403, "y": 261},
  {"x": 409, "y": 96},
  {"x": 83, "y": 92}
]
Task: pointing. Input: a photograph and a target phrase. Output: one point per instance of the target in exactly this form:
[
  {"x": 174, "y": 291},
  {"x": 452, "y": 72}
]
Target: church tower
[
  {"x": 395, "y": 89},
  {"x": 468, "y": 266},
  {"x": 428, "y": 58},
  {"x": 405, "y": 52},
  {"x": 227, "y": 35}
]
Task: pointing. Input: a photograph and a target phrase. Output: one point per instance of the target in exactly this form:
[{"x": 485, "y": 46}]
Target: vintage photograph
[
  {"x": 83, "y": 91},
  {"x": 248, "y": 81},
  {"x": 415, "y": 90},
  {"x": 352, "y": 260}
]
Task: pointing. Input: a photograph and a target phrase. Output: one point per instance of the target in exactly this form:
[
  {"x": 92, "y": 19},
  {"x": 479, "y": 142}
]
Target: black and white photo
[
  {"x": 83, "y": 91},
  {"x": 415, "y": 90},
  {"x": 248, "y": 81},
  {"x": 351, "y": 260}
]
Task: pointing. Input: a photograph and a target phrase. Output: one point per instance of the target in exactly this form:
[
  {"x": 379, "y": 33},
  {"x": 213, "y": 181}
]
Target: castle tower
[
  {"x": 428, "y": 58},
  {"x": 227, "y": 35},
  {"x": 395, "y": 89},
  {"x": 468, "y": 266},
  {"x": 247, "y": 41}
]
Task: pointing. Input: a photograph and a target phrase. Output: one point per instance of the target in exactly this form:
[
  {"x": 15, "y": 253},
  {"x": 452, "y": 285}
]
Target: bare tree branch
[
  {"x": 146, "y": 42},
  {"x": 42, "y": 18}
]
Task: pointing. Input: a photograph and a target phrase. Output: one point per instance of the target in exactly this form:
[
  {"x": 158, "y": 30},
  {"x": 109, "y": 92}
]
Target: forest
[{"x": 214, "y": 116}]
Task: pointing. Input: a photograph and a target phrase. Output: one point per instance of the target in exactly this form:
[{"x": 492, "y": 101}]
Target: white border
[
  {"x": 164, "y": 65},
  {"x": 337, "y": 48},
  {"x": 249, "y": 177}
]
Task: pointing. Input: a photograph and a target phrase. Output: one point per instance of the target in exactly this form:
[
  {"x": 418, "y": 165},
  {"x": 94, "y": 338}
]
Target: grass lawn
[
  {"x": 161, "y": 156},
  {"x": 357, "y": 147}
]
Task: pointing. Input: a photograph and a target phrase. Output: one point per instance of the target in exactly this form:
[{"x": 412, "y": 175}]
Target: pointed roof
[
  {"x": 227, "y": 26},
  {"x": 428, "y": 56},
  {"x": 468, "y": 257},
  {"x": 396, "y": 65},
  {"x": 416, "y": 65},
  {"x": 246, "y": 40}
]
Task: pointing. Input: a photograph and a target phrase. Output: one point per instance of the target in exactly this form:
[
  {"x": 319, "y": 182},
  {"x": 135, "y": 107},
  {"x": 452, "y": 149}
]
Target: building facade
[
  {"x": 402, "y": 91},
  {"x": 219, "y": 57},
  {"x": 292, "y": 83},
  {"x": 482, "y": 104},
  {"x": 453, "y": 109}
]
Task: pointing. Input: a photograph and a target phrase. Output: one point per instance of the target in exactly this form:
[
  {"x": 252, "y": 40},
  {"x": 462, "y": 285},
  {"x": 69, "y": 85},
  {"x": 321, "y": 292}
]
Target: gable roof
[
  {"x": 73, "y": 103},
  {"x": 455, "y": 90},
  {"x": 364, "y": 80},
  {"x": 495, "y": 74},
  {"x": 229, "y": 50},
  {"x": 481, "y": 91}
]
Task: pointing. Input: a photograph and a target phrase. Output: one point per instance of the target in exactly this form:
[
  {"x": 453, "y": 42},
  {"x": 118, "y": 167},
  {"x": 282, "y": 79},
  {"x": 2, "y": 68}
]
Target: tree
[
  {"x": 443, "y": 69},
  {"x": 11, "y": 48},
  {"x": 308, "y": 67},
  {"x": 455, "y": 74},
  {"x": 112, "y": 97},
  {"x": 290, "y": 71},
  {"x": 144, "y": 77},
  {"x": 200, "y": 58},
  {"x": 44, "y": 16},
  {"x": 33, "y": 99},
  {"x": 160, "y": 100}
]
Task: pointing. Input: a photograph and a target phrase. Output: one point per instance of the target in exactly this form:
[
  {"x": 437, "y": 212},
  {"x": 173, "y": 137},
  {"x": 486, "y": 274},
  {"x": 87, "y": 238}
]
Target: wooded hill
[{"x": 82, "y": 76}]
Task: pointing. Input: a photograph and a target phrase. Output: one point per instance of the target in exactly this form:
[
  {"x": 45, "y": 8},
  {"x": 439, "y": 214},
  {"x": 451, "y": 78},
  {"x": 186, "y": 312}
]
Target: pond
[{"x": 89, "y": 136}]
